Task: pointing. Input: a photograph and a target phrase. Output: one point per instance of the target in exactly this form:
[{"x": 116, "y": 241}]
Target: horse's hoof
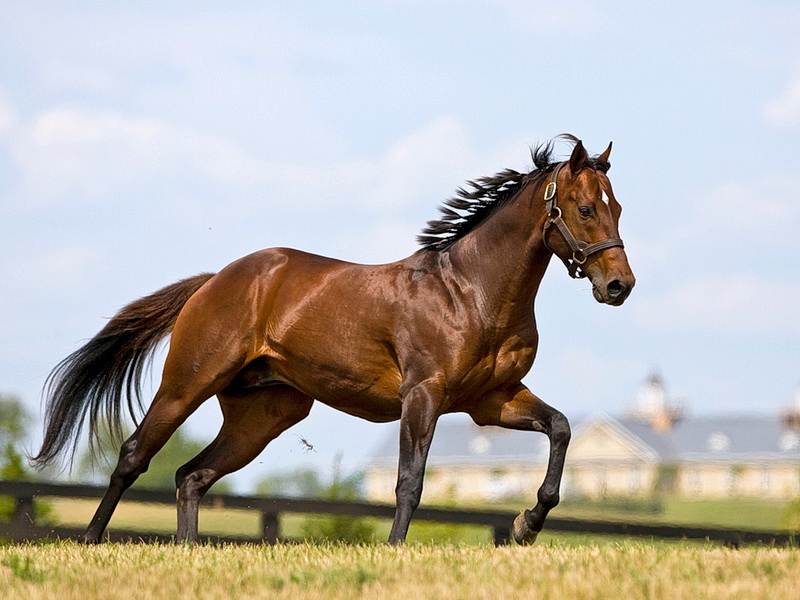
[{"x": 523, "y": 534}]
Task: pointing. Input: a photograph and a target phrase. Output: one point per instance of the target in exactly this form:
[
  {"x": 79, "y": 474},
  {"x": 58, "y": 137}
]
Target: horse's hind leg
[
  {"x": 160, "y": 422},
  {"x": 520, "y": 409},
  {"x": 194, "y": 371},
  {"x": 252, "y": 419}
]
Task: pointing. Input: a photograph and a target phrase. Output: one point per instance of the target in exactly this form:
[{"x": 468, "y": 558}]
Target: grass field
[
  {"x": 745, "y": 513},
  {"x": 68, "y": 571},
  {"x": 763, "y": 514},
  {"x": 150, "y": 518}
]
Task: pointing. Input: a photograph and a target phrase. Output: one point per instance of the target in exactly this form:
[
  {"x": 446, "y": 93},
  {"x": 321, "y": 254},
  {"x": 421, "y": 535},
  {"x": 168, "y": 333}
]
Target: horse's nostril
[{"x": 616, "y": 288}]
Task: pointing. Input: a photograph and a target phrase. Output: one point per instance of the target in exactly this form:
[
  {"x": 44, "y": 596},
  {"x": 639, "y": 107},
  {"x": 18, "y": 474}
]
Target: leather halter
[{"x": 581, "y": 250}]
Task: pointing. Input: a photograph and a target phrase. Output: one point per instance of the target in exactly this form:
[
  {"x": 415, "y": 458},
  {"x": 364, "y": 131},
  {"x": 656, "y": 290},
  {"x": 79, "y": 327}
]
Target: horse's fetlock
[{"x": 548, "y": 496}]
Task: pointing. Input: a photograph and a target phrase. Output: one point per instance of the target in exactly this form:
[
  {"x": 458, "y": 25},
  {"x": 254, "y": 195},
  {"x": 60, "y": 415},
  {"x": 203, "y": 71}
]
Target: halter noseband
[{"x": 581, "y": 251}]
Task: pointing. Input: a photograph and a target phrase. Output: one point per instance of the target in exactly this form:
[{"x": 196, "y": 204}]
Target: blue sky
[{"x": 141, "y": 144}]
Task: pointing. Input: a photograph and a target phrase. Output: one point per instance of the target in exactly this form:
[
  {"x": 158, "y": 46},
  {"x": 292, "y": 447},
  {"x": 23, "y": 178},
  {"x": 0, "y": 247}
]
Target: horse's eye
[{"x": 585, "y": 211}]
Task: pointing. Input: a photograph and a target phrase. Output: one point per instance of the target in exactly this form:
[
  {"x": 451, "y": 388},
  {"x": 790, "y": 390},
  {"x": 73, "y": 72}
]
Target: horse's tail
[{"x": 93, "y": 379}]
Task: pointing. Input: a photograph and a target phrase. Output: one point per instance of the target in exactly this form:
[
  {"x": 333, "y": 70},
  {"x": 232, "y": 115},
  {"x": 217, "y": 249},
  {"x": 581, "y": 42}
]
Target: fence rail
[{"x": 24, "y": 527}]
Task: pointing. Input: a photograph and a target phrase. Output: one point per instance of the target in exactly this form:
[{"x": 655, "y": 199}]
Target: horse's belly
[{"x": 372, "y": 408}]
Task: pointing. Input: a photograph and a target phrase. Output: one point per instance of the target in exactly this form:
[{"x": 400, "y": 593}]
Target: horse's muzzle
[{"x": 615, "y": 291}]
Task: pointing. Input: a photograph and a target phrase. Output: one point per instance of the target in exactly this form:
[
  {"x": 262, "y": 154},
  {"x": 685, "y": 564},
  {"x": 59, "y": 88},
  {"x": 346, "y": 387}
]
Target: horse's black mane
[{"x": 468, "y": 208}]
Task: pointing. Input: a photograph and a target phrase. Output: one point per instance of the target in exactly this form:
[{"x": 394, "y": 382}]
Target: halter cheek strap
[{"x": 581, "y": 250}]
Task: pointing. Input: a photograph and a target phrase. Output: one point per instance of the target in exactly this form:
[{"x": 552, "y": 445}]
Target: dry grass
[{"x": 69, "y": 571}]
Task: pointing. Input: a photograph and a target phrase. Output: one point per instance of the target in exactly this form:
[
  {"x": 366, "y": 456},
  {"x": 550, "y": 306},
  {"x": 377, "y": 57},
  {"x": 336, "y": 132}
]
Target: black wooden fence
[{"x": 24, "y": 527}]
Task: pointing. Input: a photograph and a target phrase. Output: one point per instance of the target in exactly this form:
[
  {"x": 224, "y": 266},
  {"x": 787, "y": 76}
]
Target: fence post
[
  {"x": 23, "y": 513},
  {"x": 269, "y": 527},
  {"x": 502, "y": 535}
]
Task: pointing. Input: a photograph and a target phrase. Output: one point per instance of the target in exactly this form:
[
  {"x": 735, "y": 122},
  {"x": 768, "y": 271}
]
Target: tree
[
  {"x": 14, "y": 422},
  {"x": 303, "y": 483}
]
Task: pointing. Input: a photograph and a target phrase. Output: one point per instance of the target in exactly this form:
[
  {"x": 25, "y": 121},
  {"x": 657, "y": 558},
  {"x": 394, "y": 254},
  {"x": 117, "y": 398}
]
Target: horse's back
[{"x": 318, "y": 324}]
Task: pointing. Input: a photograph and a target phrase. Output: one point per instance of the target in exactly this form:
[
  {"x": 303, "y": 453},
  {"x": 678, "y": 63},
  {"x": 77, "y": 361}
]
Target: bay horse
[{"x": 450, "y": 328}]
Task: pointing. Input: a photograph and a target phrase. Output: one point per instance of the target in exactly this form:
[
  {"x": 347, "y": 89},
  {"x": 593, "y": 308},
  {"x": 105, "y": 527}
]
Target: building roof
[
  {"x": 732, "y": 438},
  {"x": 458, "y": 441}
]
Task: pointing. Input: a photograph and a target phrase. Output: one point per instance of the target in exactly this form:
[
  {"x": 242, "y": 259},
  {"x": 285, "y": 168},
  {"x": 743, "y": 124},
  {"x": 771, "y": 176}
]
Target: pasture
[{"x": 67, "y": 571}]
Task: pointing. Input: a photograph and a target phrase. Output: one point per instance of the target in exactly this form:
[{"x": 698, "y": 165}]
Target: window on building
[
  {"x": 731, "y": 478},
  {"x": 601, "y": 483},
  {"x": 693, "y": 480},
  {"x": 634, "y": 479},
  {"x": 718, "y": 443},
  {"x": 765, "y": 480}
]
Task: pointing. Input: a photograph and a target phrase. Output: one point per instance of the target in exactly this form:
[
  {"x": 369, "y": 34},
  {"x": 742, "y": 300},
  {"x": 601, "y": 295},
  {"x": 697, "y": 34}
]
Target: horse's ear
[
  {"x": 606, "y": 153},
  {"x": 579, "y": 158}
]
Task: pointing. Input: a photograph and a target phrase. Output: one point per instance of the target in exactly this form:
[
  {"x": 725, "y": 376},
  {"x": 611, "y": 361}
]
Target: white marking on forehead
[{"x": 605, "y": 198}]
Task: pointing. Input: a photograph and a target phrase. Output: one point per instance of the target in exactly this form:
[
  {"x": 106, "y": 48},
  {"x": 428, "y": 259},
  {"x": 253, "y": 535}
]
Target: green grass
[
  {"x": 747, "y": 513},
  {"x": 67, "y": 571}
]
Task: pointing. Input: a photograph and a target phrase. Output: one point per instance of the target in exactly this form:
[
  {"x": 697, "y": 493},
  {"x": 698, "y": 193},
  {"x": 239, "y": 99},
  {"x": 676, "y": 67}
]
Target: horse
[{"x": 450, "y": 328}]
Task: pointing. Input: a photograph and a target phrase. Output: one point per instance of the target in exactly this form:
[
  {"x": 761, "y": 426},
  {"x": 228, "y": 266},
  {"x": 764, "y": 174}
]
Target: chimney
[
  {"x": 654, "y": 407},
  {"x": 791, "y": 417}
]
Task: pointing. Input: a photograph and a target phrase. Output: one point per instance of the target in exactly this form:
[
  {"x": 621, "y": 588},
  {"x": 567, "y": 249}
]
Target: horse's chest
[{"x": 504, "y": 364}]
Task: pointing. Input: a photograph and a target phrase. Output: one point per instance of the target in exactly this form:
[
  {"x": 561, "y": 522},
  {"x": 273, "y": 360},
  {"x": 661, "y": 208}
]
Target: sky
[{"x": 141, "y": 143}]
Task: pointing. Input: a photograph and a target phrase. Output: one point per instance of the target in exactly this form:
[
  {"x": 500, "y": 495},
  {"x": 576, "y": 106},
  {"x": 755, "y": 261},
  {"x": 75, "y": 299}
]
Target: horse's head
[{"x": 582, "y": 225}]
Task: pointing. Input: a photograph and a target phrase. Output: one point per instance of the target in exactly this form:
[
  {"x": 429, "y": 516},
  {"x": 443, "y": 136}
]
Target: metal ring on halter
[
  {"x": 580, "y": 262},
  {"x": 556, "y": 209}
]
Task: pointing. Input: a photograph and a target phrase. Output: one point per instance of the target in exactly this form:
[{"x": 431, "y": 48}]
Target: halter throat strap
[{"x": 581, "y": 250}]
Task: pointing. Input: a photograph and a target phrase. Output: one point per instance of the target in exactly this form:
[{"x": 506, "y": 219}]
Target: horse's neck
[{"x": 506, "y": 255}]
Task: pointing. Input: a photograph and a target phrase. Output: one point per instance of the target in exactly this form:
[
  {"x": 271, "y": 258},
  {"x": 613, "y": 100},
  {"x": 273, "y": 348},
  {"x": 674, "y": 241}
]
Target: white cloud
[
  {"x": 78, "y": 154},
  {"x": 61, "y": 127},
  {"x": 727, "y": 267},
  {"x": 426, "y": 162},
  {"x": 71, "y": 154},
  {"x": 383, "y": 241},
  {"x": 44, "y": 272},
  {"x": 784, "y": 110},
  {"x": 741, "y": 304},
  {"x": 62, "y": 266},
  {"x": 572, "y": 16},
  {"x": 7, "y": 114},
  {"x": 742, "y": 220}
]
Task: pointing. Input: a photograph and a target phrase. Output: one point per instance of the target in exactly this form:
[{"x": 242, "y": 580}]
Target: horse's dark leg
[
  {"x": 161, "y": 421},
  {"x": 520, "y": 409},
  {"x": 251, "y": 420},
  {"x": 417, "y": 425}
]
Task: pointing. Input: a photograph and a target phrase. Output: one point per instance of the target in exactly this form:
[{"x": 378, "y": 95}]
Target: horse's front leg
[
  {"x": 417, "y": 425},
  {"x": 518, "y": 408}
]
